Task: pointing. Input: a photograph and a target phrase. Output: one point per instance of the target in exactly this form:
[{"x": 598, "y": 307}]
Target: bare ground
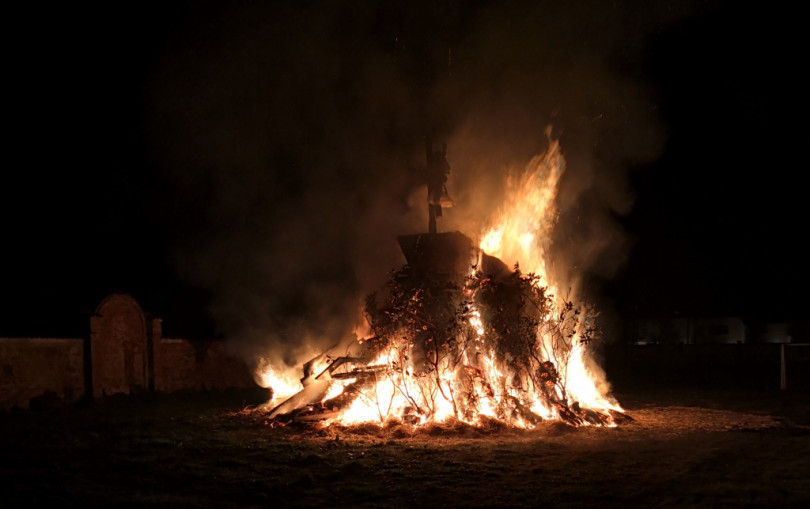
[{"x": 685, "y": 448}]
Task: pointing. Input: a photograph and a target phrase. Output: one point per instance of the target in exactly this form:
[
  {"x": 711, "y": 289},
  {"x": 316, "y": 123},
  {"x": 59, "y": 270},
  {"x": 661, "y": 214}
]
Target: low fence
[{"x": 745, "y": 366}]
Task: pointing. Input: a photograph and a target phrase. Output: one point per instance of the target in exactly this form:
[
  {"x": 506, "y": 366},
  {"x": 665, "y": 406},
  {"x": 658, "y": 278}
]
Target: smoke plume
[{"x": 291, "y": 139}]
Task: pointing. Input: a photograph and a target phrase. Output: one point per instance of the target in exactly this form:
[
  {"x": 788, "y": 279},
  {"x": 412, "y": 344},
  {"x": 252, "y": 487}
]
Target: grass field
[{"x": 686, "y": 448}]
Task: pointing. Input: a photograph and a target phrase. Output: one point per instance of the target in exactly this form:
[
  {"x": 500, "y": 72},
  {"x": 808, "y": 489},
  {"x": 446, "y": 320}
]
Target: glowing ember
[{"x": 483, "y": 342}]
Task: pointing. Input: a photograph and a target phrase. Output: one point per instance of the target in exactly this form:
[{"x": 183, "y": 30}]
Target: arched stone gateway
[{"x": 119, "y": 346}]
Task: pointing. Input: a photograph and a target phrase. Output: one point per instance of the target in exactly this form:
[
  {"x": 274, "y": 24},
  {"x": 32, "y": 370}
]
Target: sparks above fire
[{"x": 464, "y": 332}]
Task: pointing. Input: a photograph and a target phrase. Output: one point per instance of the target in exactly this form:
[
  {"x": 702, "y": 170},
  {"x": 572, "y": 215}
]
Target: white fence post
[{"x": 784, "y": 375}]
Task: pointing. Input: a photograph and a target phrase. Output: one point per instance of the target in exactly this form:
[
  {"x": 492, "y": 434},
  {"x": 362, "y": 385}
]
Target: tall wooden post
[{"x": 437, "y": 170}]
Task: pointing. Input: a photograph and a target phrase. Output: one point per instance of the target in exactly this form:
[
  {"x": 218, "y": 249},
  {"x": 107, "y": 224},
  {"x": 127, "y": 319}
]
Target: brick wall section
[
  {"x": 220, "y": 370},
  {"x": 39, "y": 367},
  {"x": 181, "y": 366},
  {"x": 175, "y": 365}
]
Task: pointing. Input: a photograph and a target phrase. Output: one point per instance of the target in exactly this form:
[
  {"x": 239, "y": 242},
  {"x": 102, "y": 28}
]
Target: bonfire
[{"x": 465, "y": 332}]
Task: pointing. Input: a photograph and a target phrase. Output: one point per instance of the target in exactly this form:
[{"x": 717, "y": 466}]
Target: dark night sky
[{"x": 233, "y": 167}]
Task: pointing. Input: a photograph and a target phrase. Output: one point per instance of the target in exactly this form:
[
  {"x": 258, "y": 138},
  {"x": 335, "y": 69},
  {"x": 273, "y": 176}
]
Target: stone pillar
[{"x": 119, "y": 347}]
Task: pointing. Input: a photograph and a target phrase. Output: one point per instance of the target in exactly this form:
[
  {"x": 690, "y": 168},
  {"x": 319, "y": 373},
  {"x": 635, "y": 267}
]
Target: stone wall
[
  {"x": 45, "y": 371},
  {"x": 124, "y": 353},
  {"x": 175, "y": 365},
  {"x": 180, "y": 365}
]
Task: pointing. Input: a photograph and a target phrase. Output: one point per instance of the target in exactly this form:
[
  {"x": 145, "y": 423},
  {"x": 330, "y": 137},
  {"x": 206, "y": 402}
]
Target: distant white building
[
  {"x": 775, "y": 332},
  {"x": 722, "y": 330},
  {"x": 716, "y": 330}
]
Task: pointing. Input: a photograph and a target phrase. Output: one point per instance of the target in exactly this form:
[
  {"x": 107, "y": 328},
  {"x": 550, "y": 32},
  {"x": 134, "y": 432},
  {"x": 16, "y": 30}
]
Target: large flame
[
  {"x": 520, "y": 233},
  {"x": 561, "y": 375}
]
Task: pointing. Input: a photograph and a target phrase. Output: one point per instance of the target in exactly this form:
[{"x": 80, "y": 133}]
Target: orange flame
[
  {"x": 282, "y": 382},
  {"x": 521, "y": 233}
]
